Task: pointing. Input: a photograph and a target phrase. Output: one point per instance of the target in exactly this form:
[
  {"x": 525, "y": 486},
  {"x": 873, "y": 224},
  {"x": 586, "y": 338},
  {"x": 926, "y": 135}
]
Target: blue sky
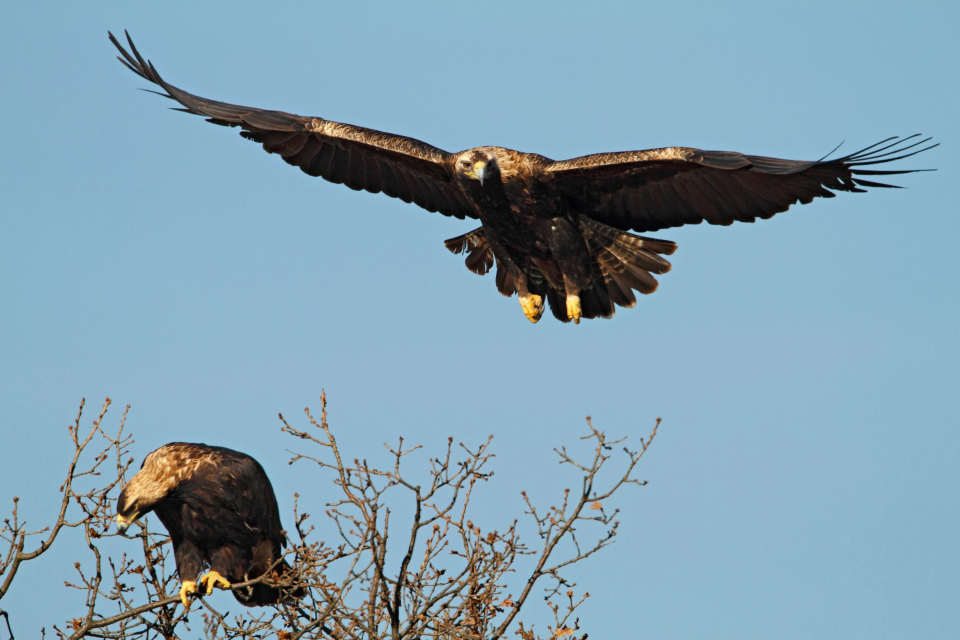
[{"x": 805, "y": 481}]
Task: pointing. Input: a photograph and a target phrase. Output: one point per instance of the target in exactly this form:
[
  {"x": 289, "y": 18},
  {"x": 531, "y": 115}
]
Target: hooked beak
[
  {"x": 124, "y": 523},
  {"x": 480, "y": 170}
]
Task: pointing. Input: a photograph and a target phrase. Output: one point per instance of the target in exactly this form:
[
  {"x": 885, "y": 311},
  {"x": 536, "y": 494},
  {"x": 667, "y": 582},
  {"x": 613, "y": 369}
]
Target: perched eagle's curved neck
[
  {"x": 147, "y": 489},
  {"x": 162, "y": 472}
]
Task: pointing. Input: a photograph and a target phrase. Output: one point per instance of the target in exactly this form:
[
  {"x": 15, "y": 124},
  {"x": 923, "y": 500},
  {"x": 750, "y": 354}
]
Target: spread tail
[
  {"x": 621, "y": 264},
  {"x": 626, "y": 262}
]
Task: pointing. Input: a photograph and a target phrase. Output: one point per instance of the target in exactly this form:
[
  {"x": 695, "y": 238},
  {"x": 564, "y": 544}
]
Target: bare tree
[{"x": 401, "y": 559}]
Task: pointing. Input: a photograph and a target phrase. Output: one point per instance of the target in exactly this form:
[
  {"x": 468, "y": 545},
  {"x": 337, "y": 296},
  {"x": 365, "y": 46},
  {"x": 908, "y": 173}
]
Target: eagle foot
[
  {"x": 573, "y": 309},
  {"x": 532, "y": 306},
  {"x": 212, "y": 579},
  {"x": 187, "y": 589}
]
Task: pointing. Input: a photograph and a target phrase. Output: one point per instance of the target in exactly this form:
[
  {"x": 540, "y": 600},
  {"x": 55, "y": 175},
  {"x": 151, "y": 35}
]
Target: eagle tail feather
[
  {"x": 479, "y": 254},
  {"x": 626, "y": 262},
  {"x": 466, "y": 241},
  {"x": 618, "y": 288},
  {"x": 596, "y": 301},
  {"x": 262, "y": 594},
  {"x": 557, "y": 300},
  {"x": 505, "y": 284}
]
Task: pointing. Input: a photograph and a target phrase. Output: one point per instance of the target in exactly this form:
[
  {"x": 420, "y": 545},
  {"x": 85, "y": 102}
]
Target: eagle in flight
[
  {"x": 559, "y": 232},
  {"x": 220, "y": 511}
]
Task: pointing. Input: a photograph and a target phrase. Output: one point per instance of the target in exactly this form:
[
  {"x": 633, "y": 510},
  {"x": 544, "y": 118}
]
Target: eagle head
[
  {"x": 477, "y": 164},
  {"x": 128, "y": 510},
  {"x": 155, "y": 481}
]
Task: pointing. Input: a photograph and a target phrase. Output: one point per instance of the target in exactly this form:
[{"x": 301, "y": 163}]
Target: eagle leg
[
  {"x": 187, "y": 589},
  {"x": 532, "y": 305},
  {"x": 212, "y": 579},
  {"x": 574, "y": 311},
  {"x": 573, "y": 308}
]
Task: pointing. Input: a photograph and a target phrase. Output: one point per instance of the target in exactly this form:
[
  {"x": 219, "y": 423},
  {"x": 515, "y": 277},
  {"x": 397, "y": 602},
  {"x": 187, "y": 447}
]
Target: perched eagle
[
  {"x": 220, "y": 510},
  {"x": 558, "y": 231}
]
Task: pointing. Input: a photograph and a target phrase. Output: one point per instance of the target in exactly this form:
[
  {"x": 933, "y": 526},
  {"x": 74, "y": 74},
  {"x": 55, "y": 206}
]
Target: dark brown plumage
[
  {"x": 221, "y": 512},
  {"x": 557, "y": 231}
]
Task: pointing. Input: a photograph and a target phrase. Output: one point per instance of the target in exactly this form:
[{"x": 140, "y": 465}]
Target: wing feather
[
  {"x": 337, "y": 152},
  {"x": 245, "y": 484},
  {"x": 661, "y": 188}
]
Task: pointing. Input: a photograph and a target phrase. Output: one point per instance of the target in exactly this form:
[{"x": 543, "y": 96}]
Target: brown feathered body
[
  {"x": 541, "y": 244},
  {"x": 220, "y": 511},
  {"x": 556, "y": 230}
]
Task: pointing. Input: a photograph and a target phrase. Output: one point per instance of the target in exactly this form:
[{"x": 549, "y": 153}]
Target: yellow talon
[
  {"x": 213, "y": 579},
  {"x": 187, "y": 589},
  {"x": 573, "y": 308},
  {"x": 532, "y": 306}
]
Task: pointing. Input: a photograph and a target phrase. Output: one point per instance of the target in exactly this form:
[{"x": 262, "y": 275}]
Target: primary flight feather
[{"x": 559, "y": 233}]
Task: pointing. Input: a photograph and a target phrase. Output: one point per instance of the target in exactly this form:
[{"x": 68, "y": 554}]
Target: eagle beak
[
  {"x": 124, "y": 523},
  {"x": 480, "y": 170}
]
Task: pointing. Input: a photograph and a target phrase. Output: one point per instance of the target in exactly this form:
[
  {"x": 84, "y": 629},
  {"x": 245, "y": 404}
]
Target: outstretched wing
[
  {"x": 661, "y": 188},
  {"x": 362, "y": 159}
]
